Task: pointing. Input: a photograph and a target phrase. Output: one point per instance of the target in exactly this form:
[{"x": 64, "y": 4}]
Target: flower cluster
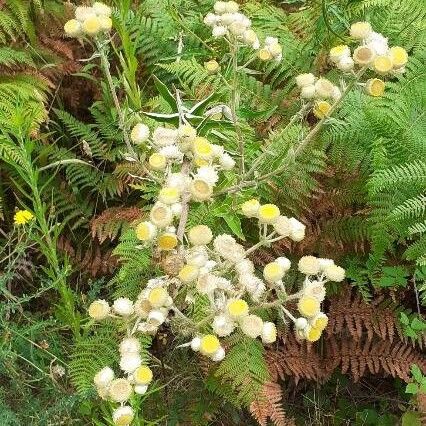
[
  {"x": 318, "y": 271},
  {"x": 89, "y": 21},
  {"x": 373, "y": 52},
  {"x": 227, "y": 21},
  {"x": 169, "y": 146},
  {"x": 319, "y": 89}
]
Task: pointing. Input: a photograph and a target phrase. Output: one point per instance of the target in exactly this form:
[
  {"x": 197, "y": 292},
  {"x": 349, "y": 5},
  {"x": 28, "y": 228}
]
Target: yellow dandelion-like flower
[
  {"x": 319, "y": 321},
  {"x": 264, "y": 54},
  {"x": 145, "y": 231},
  {"x": 202, "y": 148},
  {"x": 123, "y": 416},
  {"x": 157, "y": 161},
  {"x": 312, "y": 334},
  {"x": 383, "y": 64},
  {"x": 72, "y": 28},
  {"x": 99, "y": 309},
  {"x": 188, "y": 273},
  {"x": 22, "y": 217}
]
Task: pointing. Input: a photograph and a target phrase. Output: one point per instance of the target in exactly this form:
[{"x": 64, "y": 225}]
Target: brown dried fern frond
[
  {"x": 295, "y": 359},
  {"x": 360, "y": 357},
  {"x": 94, "y": 260},
  {"x": 110, "y": 222},
  {"x": 269, "y": 406}
]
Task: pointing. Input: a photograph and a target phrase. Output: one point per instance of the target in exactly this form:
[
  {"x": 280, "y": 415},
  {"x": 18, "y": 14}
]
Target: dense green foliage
[{"x": 360, "y": 186}]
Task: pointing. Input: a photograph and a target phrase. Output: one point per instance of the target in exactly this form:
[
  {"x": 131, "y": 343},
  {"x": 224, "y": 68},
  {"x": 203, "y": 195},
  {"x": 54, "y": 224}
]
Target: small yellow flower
[
  {"x": 105, "y": 23},
  {"x": 167, "y": 241},
  {"x": 360, "y": 30},
  {"x": 157, "y": 161},
  {"x": 145, "y": 231},
  {"x": 320, "y": 321},
  {"x": 338, "y": 52},
  {"x": 123, "y": 416},
  {"x": 273, "y": 272},
  {"x": 92, "y": 25},
  {"x": 237, "y": 308},
  {"x": 375, "y": 87},
  {"x": 188, "y": 273},
  {"x": 200, "y": 190},
  {"x": 264, "y": 54},
  {"x": 169, "y": 195},
  {"x": 250, "y": 208},
  {"x": 209, "y": 344},
  {"x": 99, "y": 309},
  {"x": 72, "y": 28},
  {"x": 212, "y": 67},
  {"x": 143, "y": 375},
  {"x": 312, "y": 334},
  {"x": 308, "y": 306},
  {"x": 200, "y": 162},
  {"x": 268, "y": 213},
  {"x": 399, "y": 56},
  {"x": 383, "y": 64},
  {"x": 22, "y": 217},
  {"x": 158, "y": 297},
  {"x": 202, "y": 148},
  {"x": 321, "y": 109},
  {"x": 200, "y": 235}
]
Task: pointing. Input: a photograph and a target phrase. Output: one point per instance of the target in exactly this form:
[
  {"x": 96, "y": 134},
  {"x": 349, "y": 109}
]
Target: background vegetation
[{"x": 360, "y": 188}]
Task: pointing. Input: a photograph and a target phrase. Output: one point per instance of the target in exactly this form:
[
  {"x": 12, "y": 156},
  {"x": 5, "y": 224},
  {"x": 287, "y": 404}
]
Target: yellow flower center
[
  {"x": 383, "y": 64},
  {"x": 124, "y": 420},
  {"x": 321, "y": 109},
  {"x": 269, "y": 212},
  {"x": 399, "y": 56},
  {"x": 167, "y": 241},
  {"x": 320, "y": 323},
  {"x": 157, "y": 161},
  {"x": 238, "y": 308},
  {"x": 264, "y": 54},
  {"x": 376, "y": 87},
  {"x": 22, "y": 217},
  {"x": 157, "y": 296},
  {"x": 91, "y": 25},
  {"x": 143, "y": 375},
  {"x": 209, "y": 344},
  {"x": 313, "y": 334},
  {"x": 308, "y": 306},
  {"x": 202, "y": 148},
  {"x": 338, "y": 50},
  {"x": 188, "y": 273},
  {"x": 143, "y": 231}
]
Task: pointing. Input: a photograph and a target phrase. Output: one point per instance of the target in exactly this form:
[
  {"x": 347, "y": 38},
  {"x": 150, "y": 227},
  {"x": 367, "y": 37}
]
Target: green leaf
[
  {"x": 234, "y": 224},
  {"x": 404, "y": 318},
  {"x": 418, "y": 324},
  {"x": 412, "y": 388},
  {"x": 416, "y": 372},
  {"x": 165, "y": 93},
  {"x": 393, "y": 276}
]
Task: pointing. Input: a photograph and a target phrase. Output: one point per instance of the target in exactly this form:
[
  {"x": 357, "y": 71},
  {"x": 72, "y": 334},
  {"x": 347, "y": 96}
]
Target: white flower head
[
  {"x": 195, "y": 344},
  {"x": 223, "y": 325},
  {"x": 164, "y": 136},
  {"x": 308, "y": 92},
  {"x": 245, "y": 266},
  {"x": 297, "y": 230},
  {"x": 303, "y": 80},
  {"x": 269, "y": 333},
  {"x": 123, "y": 306},
  {"x": 226, "y": 161},
  {"x": 211, "y": 19},
  {"x": 219, "y": 31},
  {"x": 314, "y": 289},
  {"x": 103, "y": 377},
  {"x": 123, "y": 416},
  {"x": 129, "y": 362},
  {"x": 196, "y": 256},
  {"x": 251, "y": 325},
  {"x": 208, "y": 174},
  {"x": 139, "y": 133},
  {"x": 171, "y": 152},
  {"x": 218, "y": 355},
  {"x": 309, "y": 265},
  {"x": 130, "y": 345}
]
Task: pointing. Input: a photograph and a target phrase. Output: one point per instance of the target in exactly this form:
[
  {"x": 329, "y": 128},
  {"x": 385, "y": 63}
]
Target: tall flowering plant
[{"x": 186, "y": 166}]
